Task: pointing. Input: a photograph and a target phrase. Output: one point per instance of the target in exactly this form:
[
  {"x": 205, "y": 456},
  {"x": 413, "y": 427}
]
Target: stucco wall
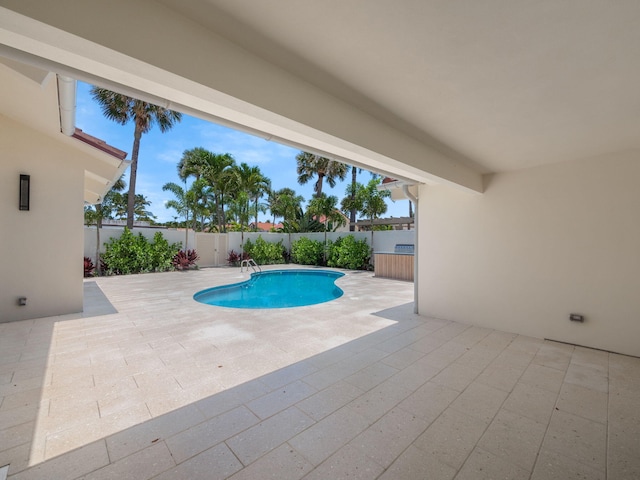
[
  {"x": 40, "y": 249},
  {"x": 538, "y": 245}
]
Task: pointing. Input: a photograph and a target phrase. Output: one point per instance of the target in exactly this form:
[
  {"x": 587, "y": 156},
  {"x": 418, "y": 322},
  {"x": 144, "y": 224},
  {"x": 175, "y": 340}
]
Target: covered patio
[{"x": 148, "y": 383}]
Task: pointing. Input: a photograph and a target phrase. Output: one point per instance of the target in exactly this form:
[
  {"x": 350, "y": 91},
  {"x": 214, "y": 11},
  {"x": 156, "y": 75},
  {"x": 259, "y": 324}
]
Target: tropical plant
[
  {"x": 310, "y": 165},
  {"x": 349, "y": 253},
  {"x": 234, "y": 258},
  {"x": 122, "y": 109},
  {"x": 249, "y": 184},
  {"x": 284, "y": 203},
  {"x": 265, "y": 253},
  {"x": 135, "y": 254},
  {"x": 325, "y": 208},
  {"x": 305, "y": 251},
  {"x": 97, "y": 213},
  {"x": 216, "y": 170},
  {"x": 185, "y": 260},
  {"x": 89, "y": 268},
  {"x": 371, "y": 201}
]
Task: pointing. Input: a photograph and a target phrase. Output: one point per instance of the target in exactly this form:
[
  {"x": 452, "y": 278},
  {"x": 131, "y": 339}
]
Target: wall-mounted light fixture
[{"x": 25, "y": 181}]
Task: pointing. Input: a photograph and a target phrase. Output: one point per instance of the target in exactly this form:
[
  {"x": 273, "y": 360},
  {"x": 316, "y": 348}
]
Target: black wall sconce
[{"x": 25, "y": 185}]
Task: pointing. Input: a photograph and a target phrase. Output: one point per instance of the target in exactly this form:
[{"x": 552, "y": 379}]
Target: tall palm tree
[
  {"x": 311, "y": 165},
  {"x": 215, "y": 169},
  {"x": 122, "y": 109},
  {"x": 326, "y": 208},
  {"x": 284, "y": 203},
  {"x": 251, "y": 181}
]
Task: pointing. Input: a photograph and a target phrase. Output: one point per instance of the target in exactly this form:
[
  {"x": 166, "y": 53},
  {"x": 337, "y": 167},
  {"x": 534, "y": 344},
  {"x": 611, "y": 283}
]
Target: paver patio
[{"x": 147, "y": 383}]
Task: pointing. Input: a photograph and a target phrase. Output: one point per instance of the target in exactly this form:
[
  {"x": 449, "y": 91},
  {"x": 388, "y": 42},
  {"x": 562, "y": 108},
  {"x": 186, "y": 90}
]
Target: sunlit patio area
[{"x": 148, "y": 383}]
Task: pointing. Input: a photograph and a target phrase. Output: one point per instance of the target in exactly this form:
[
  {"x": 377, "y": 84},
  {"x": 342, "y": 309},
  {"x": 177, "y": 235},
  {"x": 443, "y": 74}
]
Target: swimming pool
[{"x": 275, "y": 289}]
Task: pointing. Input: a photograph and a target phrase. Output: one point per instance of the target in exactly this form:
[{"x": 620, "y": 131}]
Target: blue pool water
[{"x": 275, "y": 289}]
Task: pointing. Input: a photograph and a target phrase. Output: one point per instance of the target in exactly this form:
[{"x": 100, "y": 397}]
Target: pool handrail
[{"x": 250, "y": 262}]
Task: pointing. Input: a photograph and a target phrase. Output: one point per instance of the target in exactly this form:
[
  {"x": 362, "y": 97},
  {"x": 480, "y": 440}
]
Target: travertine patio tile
[
  {"x": 514, "y": 438},
  {"x": 547, "y": 378},
  {"x": 269, "y": 434},
  {"x": 531, "y": 402},
  {"x": 66, "y": 439},
  {"x": 386, "y": 439},
  {"x": 281, "y": 398},
  {"x": 198, "y": 368},
  {"x": 288, "y": 374},
  {"x": 452, "y": 437},
  {"x": 201, "y": 437},
  {"x": 429, "y": 401},
  {"x": 321, "y": 440},
  {"x": 327, "y": 401},
  {"x": 500, "y": 376},
  {"x": 480, "y": 401},
  {"x": 483, "y": 465},
  {"x": 283, "y": 463},
  {"x": 379, "y": 400},
  {"x": 582, "y": 440},
  {"x": 552, "y": 466},
  {"x": 456, "y": 377},
  {"x": 141, "y": 436},
  {"x": 347, "y": 463},
  {"x": 585, "y": 402},
  {"x": 16, "y": 435},
  {"x": 217, "y": 462},
  {"x": 587, "y": 376},
  {"x": 73, "y": 465},
  {"x": 371, "y": 376},
  {"x": 144, "y": 464},
  {"x": 402, "y": 358},
  {"x": 415, "y": 463}
]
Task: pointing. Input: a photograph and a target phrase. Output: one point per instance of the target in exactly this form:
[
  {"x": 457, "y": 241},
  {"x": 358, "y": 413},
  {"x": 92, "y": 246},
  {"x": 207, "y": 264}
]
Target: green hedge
[
  {"x": 305, "y": 251},
  {"x": 135, "y": 254},
  {"x": 349, "y": 253},
  {"x": 263, "y": 252}
]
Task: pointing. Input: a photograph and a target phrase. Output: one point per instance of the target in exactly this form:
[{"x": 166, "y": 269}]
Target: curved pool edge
[{"x": 202, "y": 295}]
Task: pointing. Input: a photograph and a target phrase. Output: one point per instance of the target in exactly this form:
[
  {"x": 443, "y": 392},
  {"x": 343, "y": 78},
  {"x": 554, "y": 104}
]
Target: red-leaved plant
[
  {"x": 185, "y": 260},
  {"x": 235, "y": 258},
  {"x": 89, "y": 268}
]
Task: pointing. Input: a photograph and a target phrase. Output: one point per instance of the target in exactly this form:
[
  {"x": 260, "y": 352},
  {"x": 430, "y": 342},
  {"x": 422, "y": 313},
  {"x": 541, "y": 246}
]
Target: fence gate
[{"x": 212, "y": 249}]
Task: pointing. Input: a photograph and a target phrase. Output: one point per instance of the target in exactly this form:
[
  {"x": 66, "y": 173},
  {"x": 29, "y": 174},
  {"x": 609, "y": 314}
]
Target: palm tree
[
  {"x": 325, "y": 207},
  {"x": 251, "y": 181},
  {"x": 122, "y": 109},
  {"x": 284, "y": 203},
  {"x": 371, "y": 201},
  {"x": 310, "y": 165},
  {"x": 353, "y": 210},
  {"x": 182, "y": 204},
  {"x": 215, "y": 169}
]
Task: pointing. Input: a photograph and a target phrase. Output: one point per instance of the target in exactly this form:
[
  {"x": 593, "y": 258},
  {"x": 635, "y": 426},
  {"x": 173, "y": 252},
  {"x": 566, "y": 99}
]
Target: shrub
[
  {"x": 307, "y": 252},
  {"x": 135, "y": 254},
  {"x": 185, "y": 260},
  {"x": 349, "y": 253},
  {"x": 263, "y": 252},
  {"x": 235, "y": 258},
  {"x": 89, "y": 268}
]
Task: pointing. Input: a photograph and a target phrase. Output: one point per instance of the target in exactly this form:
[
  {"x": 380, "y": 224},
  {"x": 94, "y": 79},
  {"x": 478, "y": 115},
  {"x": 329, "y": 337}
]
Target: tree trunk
[
  {"x": 352, "y": 214},
  {"x": 318, "y": 186},
  {"x": 98, "y": 227},
  {"x": 131, "y": 198}
]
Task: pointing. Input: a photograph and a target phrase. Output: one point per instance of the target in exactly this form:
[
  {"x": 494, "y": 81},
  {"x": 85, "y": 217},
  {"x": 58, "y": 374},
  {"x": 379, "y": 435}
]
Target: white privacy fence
[{"x": 213, "y": 248}]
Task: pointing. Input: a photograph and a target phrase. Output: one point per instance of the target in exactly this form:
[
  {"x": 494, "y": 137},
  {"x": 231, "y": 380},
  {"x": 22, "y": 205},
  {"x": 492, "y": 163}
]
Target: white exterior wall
[
  {"x": 40, "y": 249},
  {"x": 538, "y": 245}
]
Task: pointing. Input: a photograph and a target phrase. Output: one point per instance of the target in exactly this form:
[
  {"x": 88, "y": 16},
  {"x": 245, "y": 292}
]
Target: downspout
[
  {"x": 67, "y": 102},
  {"x": 414, "y": 199}
]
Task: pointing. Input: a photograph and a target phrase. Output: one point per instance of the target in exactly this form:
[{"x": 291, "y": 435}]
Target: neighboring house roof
[{"x": 266, "y": 226}]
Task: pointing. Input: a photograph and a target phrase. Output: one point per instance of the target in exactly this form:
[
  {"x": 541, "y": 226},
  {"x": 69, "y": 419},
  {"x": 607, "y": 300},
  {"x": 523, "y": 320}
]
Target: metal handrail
[{"x": 249, "y": 263}]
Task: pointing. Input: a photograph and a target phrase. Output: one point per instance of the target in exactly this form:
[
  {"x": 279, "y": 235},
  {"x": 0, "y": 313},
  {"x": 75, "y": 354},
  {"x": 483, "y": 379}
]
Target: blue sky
[{"x": 161, "y": 152}]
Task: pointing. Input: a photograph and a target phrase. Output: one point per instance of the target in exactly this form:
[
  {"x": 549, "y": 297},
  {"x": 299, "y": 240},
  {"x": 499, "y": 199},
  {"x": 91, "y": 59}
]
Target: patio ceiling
[
  {"x": 422, "y": 90},
  {"x": 507, "y": 85}
]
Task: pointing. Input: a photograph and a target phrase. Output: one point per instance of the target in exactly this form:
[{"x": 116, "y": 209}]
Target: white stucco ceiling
[{"x": 506, "y": 84}]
